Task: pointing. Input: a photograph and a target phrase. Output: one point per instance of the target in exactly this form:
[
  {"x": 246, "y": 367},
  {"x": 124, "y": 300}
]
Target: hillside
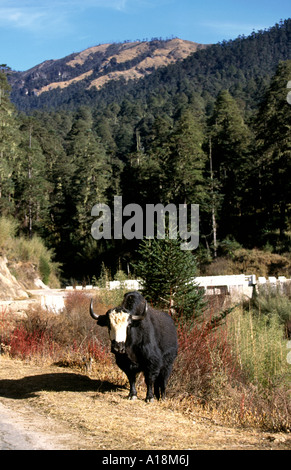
[
  {"x": 85, "y": 145},
  {"x": 108, "y": 73},
  {"x": 97, "y": 65}
]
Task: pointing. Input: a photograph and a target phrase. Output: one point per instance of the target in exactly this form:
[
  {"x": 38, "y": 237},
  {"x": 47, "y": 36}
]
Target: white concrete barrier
[
  {"x": 53, "y": 303},
  {"x": 131, "y": 284},
  {"x": 237, "y": 285}
]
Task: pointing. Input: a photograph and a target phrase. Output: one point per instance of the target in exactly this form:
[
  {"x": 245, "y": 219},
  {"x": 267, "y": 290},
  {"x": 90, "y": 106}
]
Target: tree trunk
[{"x": 214, "y": 227}]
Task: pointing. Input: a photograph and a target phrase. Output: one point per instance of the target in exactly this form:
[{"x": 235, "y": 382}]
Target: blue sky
[{"x": 32, "y": 31}]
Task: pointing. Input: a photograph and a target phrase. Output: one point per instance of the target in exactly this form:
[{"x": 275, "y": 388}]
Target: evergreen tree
[
  {"x": 9, "y": 141},
  {"x": 50, "y": 130},
  {"x": 186, "y": 163},
  {"x": 91, "y": 175},
  {"x": 230, "y": 140},
  {"x": 150, "y": 161},
  {"x": 273, "y": 138},
  {"x": 32, "y": 184},
  {"x": 86, "y": 184},
  {"x": 167, "y": 274}
]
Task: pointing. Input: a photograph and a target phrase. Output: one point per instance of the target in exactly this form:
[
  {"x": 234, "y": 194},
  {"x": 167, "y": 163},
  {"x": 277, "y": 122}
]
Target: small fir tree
[{"x": 167, "y": 274}]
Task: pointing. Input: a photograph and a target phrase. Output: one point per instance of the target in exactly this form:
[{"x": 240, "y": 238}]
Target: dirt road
[
  {"x": 55, "y": 408},
  {"x": 26, "y": 430}
]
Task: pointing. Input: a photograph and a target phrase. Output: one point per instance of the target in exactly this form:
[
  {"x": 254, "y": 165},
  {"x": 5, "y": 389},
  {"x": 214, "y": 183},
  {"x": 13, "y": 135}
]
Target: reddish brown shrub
[
  {"x": 68, "y": 337},
  {"x": 204, "y": 363}
]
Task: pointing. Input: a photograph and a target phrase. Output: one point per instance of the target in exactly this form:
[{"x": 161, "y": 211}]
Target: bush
[
  {"x": 104, "y": 277},
  {"x": 205, "y": 363},
  {"x": 65, "y": 338},
  {"x": 260, "y": 348},
  {"x": 272, "y": 303},
  {"x": 238, "y": 371},
  {"x": 31, "y": 250},
  {"x": 263, "y": 263},
  {"x": 44, "y": 269},
  {"x": 243, "y": 261}
]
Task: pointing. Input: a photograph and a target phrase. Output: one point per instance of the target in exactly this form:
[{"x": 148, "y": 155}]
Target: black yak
[{"x": 143, "y": 340}]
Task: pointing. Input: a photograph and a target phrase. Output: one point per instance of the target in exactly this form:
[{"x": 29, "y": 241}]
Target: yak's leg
[
  {"x": 160, "y": 387},
  {"x": 149, "y": 380},
  {"x": 130, "y": 371},
  {"x": 163, "y": 388},
  {"x": 161, "y": 382},
  {"x": 157, "y": 387},
  {"x": 132, "y": 391}
]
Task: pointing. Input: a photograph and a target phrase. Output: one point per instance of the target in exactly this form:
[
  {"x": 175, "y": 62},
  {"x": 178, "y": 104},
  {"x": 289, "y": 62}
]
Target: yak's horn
[{"x": 93, "y": 315}]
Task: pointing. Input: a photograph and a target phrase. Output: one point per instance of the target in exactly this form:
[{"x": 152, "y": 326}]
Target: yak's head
[{"x": 119, "y": 319}]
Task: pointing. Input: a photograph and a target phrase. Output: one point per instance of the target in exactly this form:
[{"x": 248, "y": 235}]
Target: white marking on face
[{"x": 118, "y": 326}]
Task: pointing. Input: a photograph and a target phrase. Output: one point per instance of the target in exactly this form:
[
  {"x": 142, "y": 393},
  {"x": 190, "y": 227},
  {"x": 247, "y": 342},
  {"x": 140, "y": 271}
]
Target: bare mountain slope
[{"x": 98, "y": 65}]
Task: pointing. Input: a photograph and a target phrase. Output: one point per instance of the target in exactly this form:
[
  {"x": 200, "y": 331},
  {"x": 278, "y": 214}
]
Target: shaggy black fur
[{"x": 151, "y": 345}]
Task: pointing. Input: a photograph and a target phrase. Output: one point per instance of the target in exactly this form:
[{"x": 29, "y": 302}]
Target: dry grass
[
  {"x": 80, "y": 58},
  {"x": 173, "y": 50},
  {"x": 64, "y": 84},
  {"x": 97, "y": 410}
]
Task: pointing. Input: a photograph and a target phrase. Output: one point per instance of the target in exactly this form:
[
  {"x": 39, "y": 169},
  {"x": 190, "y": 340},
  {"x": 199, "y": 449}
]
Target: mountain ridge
[
  {"x": 102, "y": 63},
  {"x": 97, "y": 78}
]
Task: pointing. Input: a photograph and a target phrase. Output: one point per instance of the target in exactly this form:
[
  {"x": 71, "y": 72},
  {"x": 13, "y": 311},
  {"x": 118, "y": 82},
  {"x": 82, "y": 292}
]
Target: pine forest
[{"x": 213, "y": 129}]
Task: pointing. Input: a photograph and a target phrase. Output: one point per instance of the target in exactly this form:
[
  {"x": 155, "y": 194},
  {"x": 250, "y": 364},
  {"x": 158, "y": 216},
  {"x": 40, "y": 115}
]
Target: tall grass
[{"x": 259, "y": 345}]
